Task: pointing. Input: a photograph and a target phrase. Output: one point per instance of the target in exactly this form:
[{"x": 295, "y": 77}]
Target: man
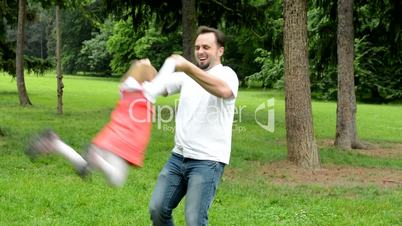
[{"x": 203, "y": 132}]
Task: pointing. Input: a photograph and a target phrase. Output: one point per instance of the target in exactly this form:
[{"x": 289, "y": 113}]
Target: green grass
[{"x": 47, "y": 192}]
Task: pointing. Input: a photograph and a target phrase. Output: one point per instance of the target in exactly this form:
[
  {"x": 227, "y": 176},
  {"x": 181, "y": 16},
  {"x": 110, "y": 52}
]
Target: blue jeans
[{"x": 197, "y": 179}]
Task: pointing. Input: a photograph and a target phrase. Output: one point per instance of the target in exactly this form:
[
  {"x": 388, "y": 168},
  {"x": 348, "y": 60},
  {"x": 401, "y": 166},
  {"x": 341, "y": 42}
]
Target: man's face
[{"x": 207, "y": 51}]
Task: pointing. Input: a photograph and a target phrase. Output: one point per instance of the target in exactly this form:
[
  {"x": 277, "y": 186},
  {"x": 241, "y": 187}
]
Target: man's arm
[
  {"x": 212, "y": 84},
  {"x": 165, "y": 83}
]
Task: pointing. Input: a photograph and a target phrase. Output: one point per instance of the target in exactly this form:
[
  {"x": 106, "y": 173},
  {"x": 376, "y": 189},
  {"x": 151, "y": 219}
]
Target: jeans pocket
[
  {"x": 216, "y": 168},
  {"x": 211, "y": 164}
]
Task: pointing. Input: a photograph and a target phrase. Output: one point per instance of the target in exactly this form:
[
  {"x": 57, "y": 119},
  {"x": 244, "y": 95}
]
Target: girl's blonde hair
[{"x": 140, "y": 70}]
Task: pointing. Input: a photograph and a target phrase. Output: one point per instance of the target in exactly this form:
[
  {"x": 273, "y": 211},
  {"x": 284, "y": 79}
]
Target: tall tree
[
  {"x": 302, "y": 149},
  {"x": 189, "y": 26},
  {"x": 19, "y": 60},
  {"x": 346, "y": 134},
  {"x": 378, "y": 49},
  {"x": 59, "y": 75},
  {"x": 8, "y": 16}
]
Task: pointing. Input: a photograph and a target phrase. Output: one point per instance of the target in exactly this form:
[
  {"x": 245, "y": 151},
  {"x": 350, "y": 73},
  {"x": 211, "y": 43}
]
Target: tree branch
[{"x": 227, "y": 8}]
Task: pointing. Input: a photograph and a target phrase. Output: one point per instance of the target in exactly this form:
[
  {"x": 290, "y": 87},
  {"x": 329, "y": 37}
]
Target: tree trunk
[
  {"x": 302, "y": 149},
  {"x": 134, "y": 15},
  {"x": 346, "y": 134},
  {"x": 189, "y": 28},
  {"x": 59, "y": 75},
  {"x": 19, "y": 59}
]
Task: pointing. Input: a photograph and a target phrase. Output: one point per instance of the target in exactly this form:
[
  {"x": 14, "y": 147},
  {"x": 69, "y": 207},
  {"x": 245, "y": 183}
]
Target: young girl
[{"x": 124, "y": 139}]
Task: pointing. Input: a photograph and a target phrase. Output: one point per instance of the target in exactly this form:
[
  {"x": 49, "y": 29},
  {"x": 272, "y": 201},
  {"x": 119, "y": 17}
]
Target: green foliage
[
  {"x": 322, "y": 50},
  {"x": 378, "y": 61},
  {"x": 94, "y": 55},
  {"x": 377, "y": 50},
  {"x": 239, "y": 51},
  {"x": 126, "y": 45},
  {"x": 8, "y": 16},
  {"x": 156, "y": 46},
  {"x": 261, "y": 28},
  {"x": 75, "y": 29},
  {"x": 37, "y": 32},
  {"x": 121, "y": 45},
  {"x": 7, "y": 58},
  {"x": 271, "y": 74},
  {"x": 37, "y": 65},
  {"x": 249, "y": 25}
]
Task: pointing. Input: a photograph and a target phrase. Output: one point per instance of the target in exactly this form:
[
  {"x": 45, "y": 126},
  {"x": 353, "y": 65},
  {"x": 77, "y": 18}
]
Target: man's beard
[{"x": 204, "y": 66}]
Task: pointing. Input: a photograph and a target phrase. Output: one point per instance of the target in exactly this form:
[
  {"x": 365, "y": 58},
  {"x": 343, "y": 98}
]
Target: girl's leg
[
  {"x": 114, "y": 168},
  {"x": 49, "y": 142},
  {"x": 70, "y": 154}
]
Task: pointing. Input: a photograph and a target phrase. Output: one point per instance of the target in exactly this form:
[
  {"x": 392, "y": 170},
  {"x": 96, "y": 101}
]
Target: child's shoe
[{"x": 41, "y": 144}]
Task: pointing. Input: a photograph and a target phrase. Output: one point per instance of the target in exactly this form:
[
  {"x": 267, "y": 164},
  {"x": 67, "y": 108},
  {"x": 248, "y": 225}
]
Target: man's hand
[
  {"x": 212, "y": 84},
  {"x": 181, "y": 63}
]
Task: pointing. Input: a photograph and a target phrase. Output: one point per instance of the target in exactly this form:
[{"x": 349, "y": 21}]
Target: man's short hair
[{"x": 220, "y": 37}]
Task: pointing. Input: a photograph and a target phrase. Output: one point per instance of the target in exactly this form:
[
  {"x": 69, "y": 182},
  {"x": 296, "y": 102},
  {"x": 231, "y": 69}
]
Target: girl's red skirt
[{"x": 129, "y": 130}]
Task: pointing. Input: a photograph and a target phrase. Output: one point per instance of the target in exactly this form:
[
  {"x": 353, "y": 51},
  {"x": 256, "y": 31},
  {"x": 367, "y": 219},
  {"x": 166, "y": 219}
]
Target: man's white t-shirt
[{"x": 204, "y": 121}]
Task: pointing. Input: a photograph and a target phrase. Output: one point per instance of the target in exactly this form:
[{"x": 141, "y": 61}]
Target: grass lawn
[{"x": 258, "y": 188}]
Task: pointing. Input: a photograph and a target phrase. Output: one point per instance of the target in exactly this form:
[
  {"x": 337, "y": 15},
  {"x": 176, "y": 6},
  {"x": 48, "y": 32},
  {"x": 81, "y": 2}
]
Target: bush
[
  {"x": 271, "y": 74},
  {"x": 377, "y": 79},
  {"x": 37, "y": 65},
  {"x": 126, "y": 45},
  {"x": 94, "y": 56}
]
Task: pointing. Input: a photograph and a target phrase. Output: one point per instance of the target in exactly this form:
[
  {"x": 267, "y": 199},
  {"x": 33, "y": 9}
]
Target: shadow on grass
[
  {"x": 8, "y": 93},
  {"x": 354, "y": 158}
]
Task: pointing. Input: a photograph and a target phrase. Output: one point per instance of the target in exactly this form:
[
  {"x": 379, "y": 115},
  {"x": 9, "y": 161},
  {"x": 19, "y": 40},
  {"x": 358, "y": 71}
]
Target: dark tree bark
[
  {"x": 346, "y": 134},
  {"x": 302, "y": 149},
  {"x": 19, "y": 60},
  {"x": 59, "y": 75},
  {"x": 189, "y": 28}
]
